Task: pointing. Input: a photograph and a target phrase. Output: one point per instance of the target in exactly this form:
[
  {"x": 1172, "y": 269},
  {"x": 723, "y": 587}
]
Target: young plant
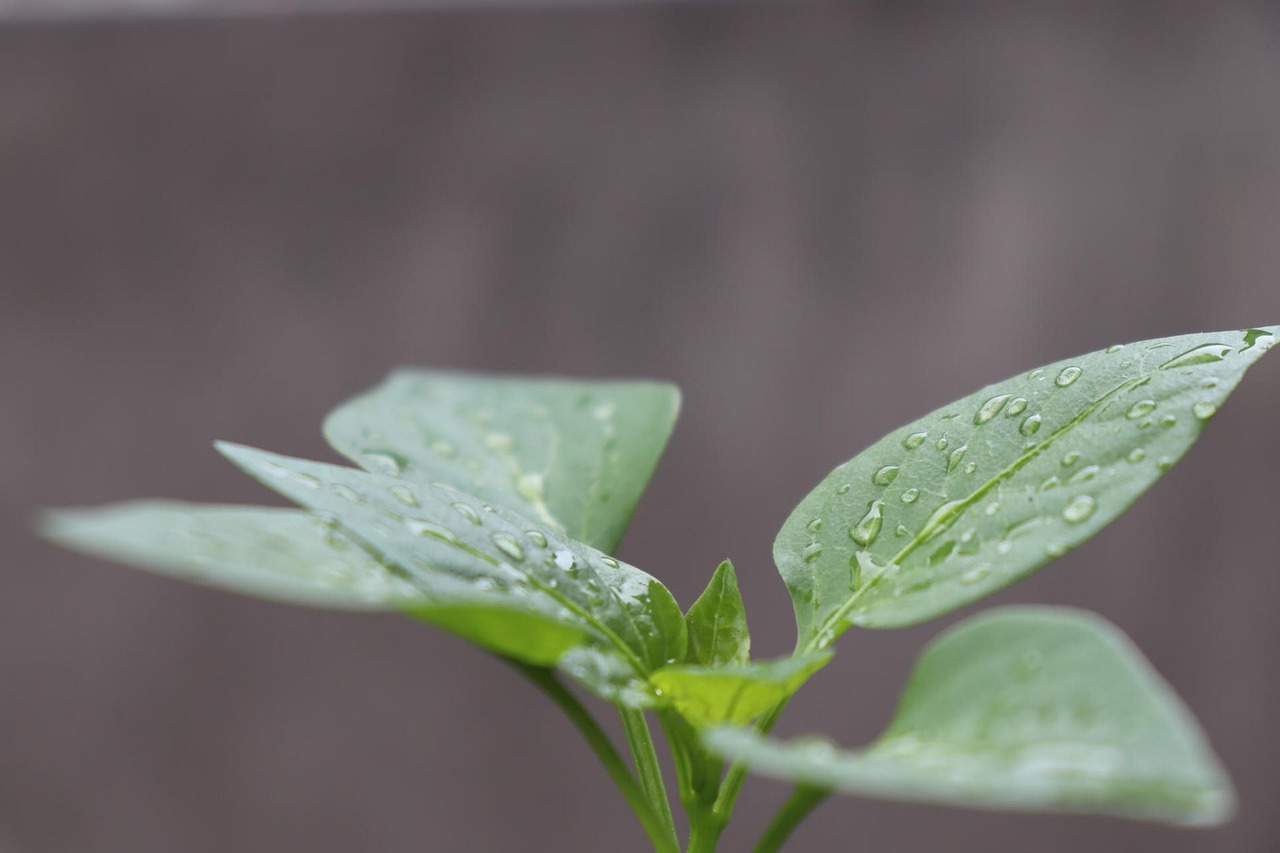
[{"x": 490, "y": 507}]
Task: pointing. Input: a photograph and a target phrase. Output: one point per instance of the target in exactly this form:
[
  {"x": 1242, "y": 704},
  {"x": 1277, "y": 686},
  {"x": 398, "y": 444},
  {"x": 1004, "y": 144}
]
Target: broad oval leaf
[
  {"x": 1035, "y": 709},
  {"x": 981, "y": 492},
  {"x": 735, "y": 693},
  {"x": 432, "y": 532},
  {"x": 295, "y": 557},
  {"x": 717, "y": 622},
  {"x": 571, "y": 455}
]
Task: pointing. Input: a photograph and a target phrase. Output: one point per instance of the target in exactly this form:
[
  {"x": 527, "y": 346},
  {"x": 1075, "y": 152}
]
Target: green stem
[
  {"x": 698, "y": 782},
  {"x": 738, "y": 771},
  {"x": 640, "y": 740},
  {"x": 661, "y": 835},
  {"x": 803, "y": 800}
]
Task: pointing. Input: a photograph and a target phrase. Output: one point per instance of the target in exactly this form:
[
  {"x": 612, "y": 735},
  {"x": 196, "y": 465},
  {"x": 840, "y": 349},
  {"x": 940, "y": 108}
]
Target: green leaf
[
  {"x": 570, "y": 455},
  {"x": 738, "y": 693},
  {"x": 295, "y": 557},
  {"x": 434, "y": 534},
  {"x": 981, "y": 492},
  {"x": 717, "y": 622},
  {"x": 1035, "y": 709}
]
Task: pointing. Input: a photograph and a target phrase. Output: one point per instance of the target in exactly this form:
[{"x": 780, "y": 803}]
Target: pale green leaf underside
[
  {"x": 717, "y": 623},
  {"x": 295, "y": 557},
  {"x": 433, "y": 533},
  {"x": 977, "y": 494},
  {"x": 571, "y": 455},
  {"x": 1035, "y": 709},
  {"x": 735, "y": 693}
]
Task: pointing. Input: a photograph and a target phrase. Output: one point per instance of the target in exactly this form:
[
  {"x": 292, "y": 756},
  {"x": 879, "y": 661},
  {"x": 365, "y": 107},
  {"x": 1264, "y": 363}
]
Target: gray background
[{"x": 821, "y": 220}]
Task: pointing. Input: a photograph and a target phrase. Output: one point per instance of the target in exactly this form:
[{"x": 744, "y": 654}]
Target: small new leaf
[
  {"x": 1026, "y": 708},
  {"x": 717, "y": 623},
  {"x": 981, "y": 492}
]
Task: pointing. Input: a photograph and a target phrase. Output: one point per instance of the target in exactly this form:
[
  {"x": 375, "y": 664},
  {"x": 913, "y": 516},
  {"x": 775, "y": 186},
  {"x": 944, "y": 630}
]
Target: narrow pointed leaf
[
  {"x": 738, "y": 693},
  {"x": 432, "y": 532},
  {"x": 981, "y": 492},
  {"x": 717, "y": 622},
  {"x": 295, "y": 557},
  {"x": 570, "y": 455},
  {"x": 1030, "y": 709}
]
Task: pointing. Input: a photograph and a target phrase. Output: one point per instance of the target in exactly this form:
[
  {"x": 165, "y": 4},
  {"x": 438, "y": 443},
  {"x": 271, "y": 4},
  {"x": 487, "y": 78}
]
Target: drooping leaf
[
  {"x": 735, "y": 693},
  {"x": 295, "y": 557},
  {"x": 432, "y": 532},
  {"x": 717, "y": 623},
  {"x": 981, "y": 492},
  {"x": 570, "y": 455},
  {"x": 1035, "y": 709}
]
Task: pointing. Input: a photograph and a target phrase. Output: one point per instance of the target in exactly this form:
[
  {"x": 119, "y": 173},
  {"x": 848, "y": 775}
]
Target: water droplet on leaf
[
  {"x": 866, "y": 530},
  {"x": 1079, "y": 509},
  {"x": 1030, "y": 426},
  {"x": 1067, "y": 376},
  {"x": 885, "y": 475}
]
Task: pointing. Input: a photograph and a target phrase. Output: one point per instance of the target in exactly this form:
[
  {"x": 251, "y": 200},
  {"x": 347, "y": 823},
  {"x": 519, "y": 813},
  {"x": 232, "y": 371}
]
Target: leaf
[
  {"x": 434, "y": 534},
  {"x": 295, "y": 557},
  {"x": 717, "y": 622},
  {"x": 1026, "y": 708},
  {"x": 737, "y": 693},
  {"x": 979, "y": 493},
  {"x": 570, "y": 455}
]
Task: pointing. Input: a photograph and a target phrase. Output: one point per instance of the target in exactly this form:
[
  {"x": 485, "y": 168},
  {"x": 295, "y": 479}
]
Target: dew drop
[
  {"x": 418, "y": 527},
  {"x": 992, "y": 508},
  {"x": 1258, "y": 337},
  {"x": 537, "y": 538},
  {"x": 610, "y": 562},
  {"x": 466, "y": 511},
  {"x": 345, "y": 492},
  {"x": 1140, "y": 408},
  {"x": 1055, "y": 548},
  {"x": 811, "y": 552},
  {"x": 975, "y": 574},
  {"x": 1114, "y": 348},
  {"x": 1204, "y": 410},
  {"x": 1204, "y": 354},
  {"x": 383, "y": 462},
  {"x": 990, "y": 409},
  {"x": 1038, "y": 373},
  {"x": 1067, "y": 376},
  {"x": 1169, "y": 420},
  {"x": 910, "y": 496},
  {"x": 941, "y": 443},
  {"x": 1070, "y": 459},
  {"x": 814, "y": 526},
  {"x": 1050, "y": 483},
  {"x": 508, "y": 546},
  {"x": 1079, "y": 509},
  {"x": 914, "y": 440},
  {"x": 1016, "y": 406},
  {"x": 1030, "y": 426},
  {"x": 563, "y": 559},
  {"x": 953, "y": 460},
  {"x": 404, "y": 495},
  {"x": 1164, "y": 463},
  {"x": 885, "y": 475},
  {"x": 866, "y": 530},
  {"x": 1085, "y": 474},
  {"x": 1210, "y": 382},
  {"x": 1136, "y": 455},
  {"x": 843, "y": 490},
  {"x": 971, "y": 467},
  {"x": 1003, "y": 548},
  {"x": 902, "y": 531}
]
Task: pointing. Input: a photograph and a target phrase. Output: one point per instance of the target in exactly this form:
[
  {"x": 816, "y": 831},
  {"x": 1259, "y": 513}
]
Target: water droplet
[
  {"x": 1085, "y": 474},
  {"x": 843, "y": 490},
  {"x": 1003, "y": 548},
  {"x": 537, "y": 538},
  {"x": 1204, "y": 410},
  {"x": 885, "y": 475},
  {"x": 992, "y": 508},
  {"x": 910, "y": 495},
  {"x": 865, "y": 531},
  {"x": 1258, "y": 337},
  {"x": 1204, "y": 354},
  {"x": 1038, "y": 373},
  {"x": 990, "y": 409},
  {"x": 1067, "y": 376},
  {"x": 975, "y": 574},
  {"x": 563, "y": 559},
  {"x": 811, "y": 552},
  {"x": 466, "y": 511},
  {"x": 1136, "y": 455},
  {"x": 971, "y": 467},
  {"x": 345, "y": 492},
  {"x": 383, "y": 462},
  {"x": 967, "y": 536},
  {"x": 404, "y": 495},
  {"x": 914, "y": 440},
  {"x": 941, "y": 443},
  {"x": 418, "y": 527},
  {"x": 814, "y": 526},
  {"x": 1210, "y": 382},
  {"x": 1164, "y": 463},
  {"x": 508, "y": 546},
  {"x": 1079, "y": 509},
  {"x": 610, "y": 562},
  {"x": 1114, "y": 348},
  {"x": 1055, "y": 548},
  {"x": 307, "y": 480},
  {"x": 530, "y": 487},
  {"x": 1016, "y": 406},
  {"x": 1050, "y": 483},
  {"x": 1140, "y": 408},
  {"x": 953, "y": 460},
  {"x": 1030, "y": 426},
  {"x": 1169, "y": 420},
  {"x": 1070, "y": 459},
  {"x": 902, "y": 531}
]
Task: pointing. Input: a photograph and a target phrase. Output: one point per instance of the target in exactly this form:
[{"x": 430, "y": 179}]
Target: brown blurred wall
[{"x": 821, "y": 220}]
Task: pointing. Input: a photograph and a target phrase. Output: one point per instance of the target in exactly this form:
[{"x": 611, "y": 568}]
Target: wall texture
[{"x": 822, "y": 220}]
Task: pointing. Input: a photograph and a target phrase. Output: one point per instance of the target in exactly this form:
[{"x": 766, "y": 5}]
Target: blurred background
[{"x": 820, "y": 219}]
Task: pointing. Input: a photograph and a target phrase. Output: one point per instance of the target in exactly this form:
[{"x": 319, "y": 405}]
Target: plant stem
[
  {"x": 738, "y": 772},
  {"x": 640, "y": 740},
  {"x": 698, "y": 782},
  {"x": 803, "y": 800},
  {"x": 661, "y": 834}
]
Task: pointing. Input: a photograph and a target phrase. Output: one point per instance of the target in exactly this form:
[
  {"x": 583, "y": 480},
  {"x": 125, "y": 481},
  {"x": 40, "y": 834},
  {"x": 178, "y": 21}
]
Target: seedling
[{"x": 491, "y": 507}]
